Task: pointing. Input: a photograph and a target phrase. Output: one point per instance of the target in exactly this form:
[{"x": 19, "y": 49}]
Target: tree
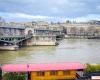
[
  {"x": 67, "y": 21},
  {"x": 73, "y": 31},
  {"x": 82, "y": 31},
  {"x": 90, "y": 30},
  {"x": 92, "y": 68}
]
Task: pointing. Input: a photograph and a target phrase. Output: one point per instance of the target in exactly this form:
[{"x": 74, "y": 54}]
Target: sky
[{"x": 50, "y": 10}]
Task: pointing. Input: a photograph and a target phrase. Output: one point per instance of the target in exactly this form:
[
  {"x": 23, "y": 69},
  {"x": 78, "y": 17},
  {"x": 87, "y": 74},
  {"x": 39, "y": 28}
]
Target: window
[
  {"x": 40, "y": 73},
  {"x": 52, "y": 73},
  {"x": 37, "y": 38},
  {"x": 66, "y": 72}
]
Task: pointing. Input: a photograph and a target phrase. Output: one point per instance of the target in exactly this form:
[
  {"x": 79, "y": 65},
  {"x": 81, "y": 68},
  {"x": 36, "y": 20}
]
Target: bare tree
[
  {"x": 73, "y": 31},
  {"x": 82, "y": 31},
  {"x": 90, "y": 30}
]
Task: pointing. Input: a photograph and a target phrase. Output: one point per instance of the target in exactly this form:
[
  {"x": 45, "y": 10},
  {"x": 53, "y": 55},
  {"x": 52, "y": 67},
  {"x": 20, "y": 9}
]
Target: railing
[
  {"x": 82, "y": 78},
  {"x": 78, "y": 77},
  {"x": 14, "y": 39}
]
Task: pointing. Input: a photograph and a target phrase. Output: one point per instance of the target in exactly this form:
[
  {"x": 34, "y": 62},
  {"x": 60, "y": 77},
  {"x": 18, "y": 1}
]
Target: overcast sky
[{"x": 51, "y": 10}]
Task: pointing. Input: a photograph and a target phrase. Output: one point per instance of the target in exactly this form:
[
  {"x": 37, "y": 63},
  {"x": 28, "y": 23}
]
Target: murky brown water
[{"x": 68, "y": 50}]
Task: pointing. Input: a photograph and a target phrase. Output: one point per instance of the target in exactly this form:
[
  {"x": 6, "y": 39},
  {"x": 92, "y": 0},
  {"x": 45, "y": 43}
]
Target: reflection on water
[{"x": 68, "y": 50}]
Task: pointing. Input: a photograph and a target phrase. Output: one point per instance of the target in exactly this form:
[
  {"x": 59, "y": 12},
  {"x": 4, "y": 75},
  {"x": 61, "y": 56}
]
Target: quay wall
[{"x": 39, "y": 43}]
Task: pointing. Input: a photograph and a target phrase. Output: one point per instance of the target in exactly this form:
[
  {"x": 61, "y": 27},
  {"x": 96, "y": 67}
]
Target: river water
[{"x": 68, "y": 50}]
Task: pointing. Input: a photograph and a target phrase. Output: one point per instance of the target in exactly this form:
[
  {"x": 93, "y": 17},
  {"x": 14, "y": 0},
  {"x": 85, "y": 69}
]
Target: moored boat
[
  {"x": 10, "y": 47},
  {"x": 53, "y": 71}
]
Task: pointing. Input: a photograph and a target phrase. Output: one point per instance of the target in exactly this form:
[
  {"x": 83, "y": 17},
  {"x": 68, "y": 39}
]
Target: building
[
  {"x": 40, "y": 23},
  {"x": 11, "y": 30},
  {"x": 94, "y": 22},
  {"x": 44, "y": 37},
  {"x": 44, "y": 40}
]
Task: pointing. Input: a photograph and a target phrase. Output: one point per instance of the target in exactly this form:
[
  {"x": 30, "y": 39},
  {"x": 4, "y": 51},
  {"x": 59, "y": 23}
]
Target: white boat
[{"x": 10, "y": 47}]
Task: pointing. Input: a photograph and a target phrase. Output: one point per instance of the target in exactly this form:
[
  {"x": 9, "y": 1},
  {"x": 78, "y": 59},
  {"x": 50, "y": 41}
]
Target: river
[{"x": 68, "y": 50}]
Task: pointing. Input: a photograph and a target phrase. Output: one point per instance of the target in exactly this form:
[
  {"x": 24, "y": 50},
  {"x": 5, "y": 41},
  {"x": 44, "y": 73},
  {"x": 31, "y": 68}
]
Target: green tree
[{"x": 92, "y": 68}]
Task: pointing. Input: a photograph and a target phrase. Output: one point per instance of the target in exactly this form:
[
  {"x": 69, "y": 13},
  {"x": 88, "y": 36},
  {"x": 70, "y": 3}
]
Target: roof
[
  {"x": 13, "y": 27},
  {"x": 42, "y": 67},
  {"x": 15, "y": 67}
]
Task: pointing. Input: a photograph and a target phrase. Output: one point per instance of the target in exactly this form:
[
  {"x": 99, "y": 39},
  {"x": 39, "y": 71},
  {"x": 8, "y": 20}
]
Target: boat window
[
  {"x": 66, "y": 72},
  {"x": 52, "y": 73},
  {"x": 40, "y": 73}
]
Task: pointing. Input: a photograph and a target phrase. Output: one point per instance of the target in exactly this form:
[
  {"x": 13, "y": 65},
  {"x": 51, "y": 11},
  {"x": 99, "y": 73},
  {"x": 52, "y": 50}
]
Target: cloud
[
  {"x": 88, "y": 17},
  {"x": 98, "y": 7},
  {"x": 55, "y": 10},
  {"x": 27, "y": 17},
  {"x": 45, "y": 9},
  {"x": 23, "y": 16}
]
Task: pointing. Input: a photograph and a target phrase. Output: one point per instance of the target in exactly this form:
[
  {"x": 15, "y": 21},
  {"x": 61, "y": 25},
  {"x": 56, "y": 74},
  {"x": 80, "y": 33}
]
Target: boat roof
[
  {"x": 15, "y": 68},
  {"x": 42, "y": 67}
]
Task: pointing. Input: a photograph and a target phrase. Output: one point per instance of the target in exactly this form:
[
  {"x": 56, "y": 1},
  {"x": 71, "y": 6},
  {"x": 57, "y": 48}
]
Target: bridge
[{"x": 13, "y": 40}]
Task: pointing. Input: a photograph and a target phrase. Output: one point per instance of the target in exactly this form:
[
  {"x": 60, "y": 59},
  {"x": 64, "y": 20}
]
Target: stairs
[
  {"x": 78, "y": 76},
  {"x": 82, "y": 78}
]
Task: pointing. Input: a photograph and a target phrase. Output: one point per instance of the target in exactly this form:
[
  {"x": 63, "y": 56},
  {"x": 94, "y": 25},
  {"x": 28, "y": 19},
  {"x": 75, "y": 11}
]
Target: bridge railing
[{"x": 15, "y": 39}]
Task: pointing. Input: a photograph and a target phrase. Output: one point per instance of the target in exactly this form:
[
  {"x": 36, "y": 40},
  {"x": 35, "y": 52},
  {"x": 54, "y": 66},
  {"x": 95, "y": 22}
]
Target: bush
[
  {"x": 92, "y": 68},
  {"x": 14, "y": 76}
]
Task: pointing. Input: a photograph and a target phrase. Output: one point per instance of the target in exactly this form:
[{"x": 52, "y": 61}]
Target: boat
[
  {"x": 9, "y": 47},
  {"x": 50, "y": 71}
]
